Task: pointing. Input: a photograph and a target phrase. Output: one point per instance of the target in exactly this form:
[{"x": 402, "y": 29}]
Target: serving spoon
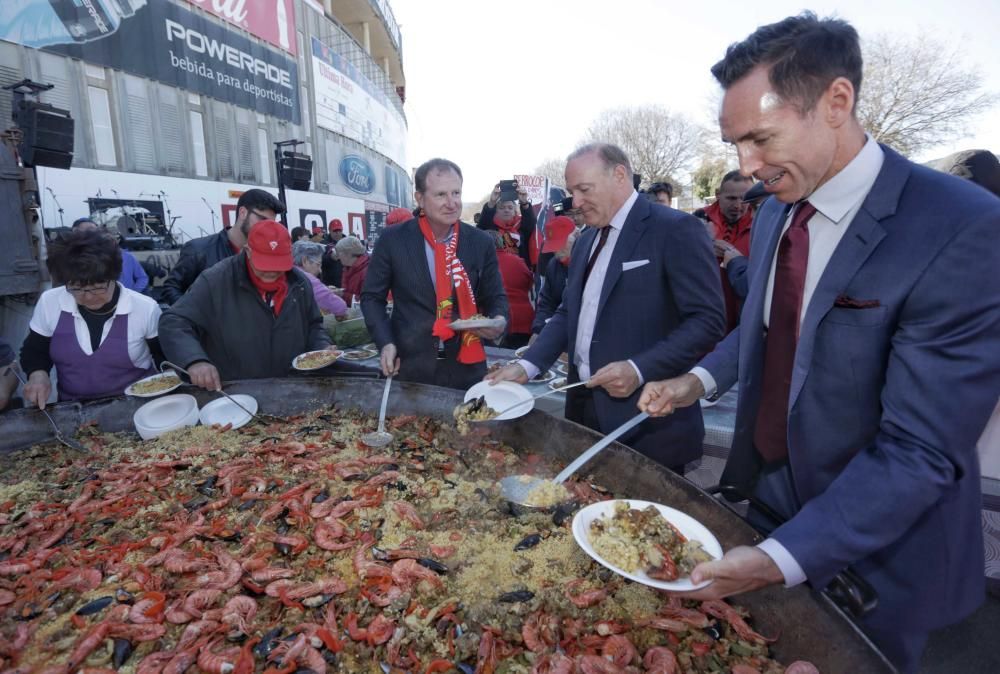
[
  {"x": 69, "y": 442},
  {"x": 381, "y": 437}
]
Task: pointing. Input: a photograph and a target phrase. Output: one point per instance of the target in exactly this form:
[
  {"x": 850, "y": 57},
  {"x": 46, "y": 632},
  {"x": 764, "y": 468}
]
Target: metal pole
[{"x": 281, "y": 182}]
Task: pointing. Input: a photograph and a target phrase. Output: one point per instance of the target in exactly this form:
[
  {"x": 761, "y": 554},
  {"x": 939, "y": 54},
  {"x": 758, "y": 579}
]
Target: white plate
[
  {"x": 165, "y": 414},
  {"x": 558, "y": 383},
  {"x": 691, "y": 528},
  {"x": 475, "y": 323},
  {"x": 561, "y": 368},
  {"x": 543, "y": 377},
  {"x": 130, "y": 391},
  {"x": 295, "y": 361},
  {"x": 223, "y": 411},
  {"x": 502, "y": 396},
  {"x": 358, "y": 354}
]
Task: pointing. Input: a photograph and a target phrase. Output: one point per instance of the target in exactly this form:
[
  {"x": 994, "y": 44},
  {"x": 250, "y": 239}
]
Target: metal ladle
[
  {"x": 69, "y": 442},
  {"x": 381, "y": 437},
  {"x": 259, "y": 416},
  {"x": 525, "y": 402},
  {"x": 516, "y": 489}
]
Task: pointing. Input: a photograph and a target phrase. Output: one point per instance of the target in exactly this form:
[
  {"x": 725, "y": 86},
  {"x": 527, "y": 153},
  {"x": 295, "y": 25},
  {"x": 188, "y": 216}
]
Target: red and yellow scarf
[{"x": 450, "y": 273}]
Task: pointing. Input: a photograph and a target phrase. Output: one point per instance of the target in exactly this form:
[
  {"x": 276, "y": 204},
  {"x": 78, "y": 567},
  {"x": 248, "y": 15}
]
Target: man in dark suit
[
  {"x": 866, "y": 353},
  {"x": 438, "y": 269},
  {"x": 642, "y": 299}
]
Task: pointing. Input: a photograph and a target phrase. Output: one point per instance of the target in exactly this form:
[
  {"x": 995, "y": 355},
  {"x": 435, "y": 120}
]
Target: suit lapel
[
  {"x": 416, "y": 253},
  {"x": 863, "y": 235},
  {"x": 628, "y": 239}
]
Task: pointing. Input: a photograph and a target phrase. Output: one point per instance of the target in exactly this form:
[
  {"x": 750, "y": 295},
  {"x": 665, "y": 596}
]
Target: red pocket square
[{"x": 851, "y": 303}]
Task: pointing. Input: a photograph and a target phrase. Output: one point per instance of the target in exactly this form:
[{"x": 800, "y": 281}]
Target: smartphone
[{"x": 508, "y": 190}]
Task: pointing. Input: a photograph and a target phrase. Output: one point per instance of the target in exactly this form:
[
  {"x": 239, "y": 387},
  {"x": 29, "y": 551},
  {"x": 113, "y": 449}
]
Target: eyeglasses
[
  {"x": 260, "y": 215},
  {"x": 77, "y": 291}
]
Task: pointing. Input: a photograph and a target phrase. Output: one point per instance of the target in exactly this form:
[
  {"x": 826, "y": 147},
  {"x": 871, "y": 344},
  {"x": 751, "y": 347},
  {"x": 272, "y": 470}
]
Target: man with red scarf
[
  {"x": 247, "y": 317},
  {"x": 517, "y": 230},
  {"x": 732, "y": 218},
  {"x": 438, "y": 270}
]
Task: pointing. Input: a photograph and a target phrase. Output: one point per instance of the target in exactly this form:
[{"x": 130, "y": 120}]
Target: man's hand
[
  {"x": 619, "y": 379},
  {"x": 38, "y": 389},
  {"x": 205, "y": 375},
  {"x": 740, "y": 570},
  {"x": 660, "y": 398},
  {"x": 389, "y": 360},
  {"x": 494, "y": 196},
  {"x": 332, "y": 347},
  {"x": 726, "y": 251},
  {"x": 514, "y": 372},
  {"x": 491, "y": 333}
]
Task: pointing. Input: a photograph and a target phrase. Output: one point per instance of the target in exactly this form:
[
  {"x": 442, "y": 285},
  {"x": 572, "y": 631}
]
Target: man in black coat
[
  {"x": 430, "y": 286},
  {"x": 247, "y": 317},
  {"x": 198, "y": 255}
]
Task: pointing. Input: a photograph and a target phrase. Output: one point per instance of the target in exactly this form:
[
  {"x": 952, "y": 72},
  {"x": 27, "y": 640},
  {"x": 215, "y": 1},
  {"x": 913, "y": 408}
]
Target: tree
[
  {"x": 706, "y": 178},
  {"x": 917, "y": 93},
  {"x": 553, "y": 169},
  {"x": 660, "y": 144}
]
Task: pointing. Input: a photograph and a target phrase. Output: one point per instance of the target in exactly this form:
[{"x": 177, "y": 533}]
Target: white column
[{"x": 366, "y": 36}]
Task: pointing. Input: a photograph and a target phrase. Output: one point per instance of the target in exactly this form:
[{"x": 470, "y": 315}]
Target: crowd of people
[{"x": 834, "y": 292}]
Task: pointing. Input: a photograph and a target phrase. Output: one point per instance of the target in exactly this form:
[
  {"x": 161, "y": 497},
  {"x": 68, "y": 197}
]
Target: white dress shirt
[
  {"x": 592, "y": 297},
  {"x": 837, "y": 201}
]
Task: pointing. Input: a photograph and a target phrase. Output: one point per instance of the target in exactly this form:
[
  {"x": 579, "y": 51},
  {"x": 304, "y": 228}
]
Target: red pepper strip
[
  {"x": 157, "y": 608},
  {"x": 244, "y": 662},
  {"x": 331, "y": 642},
  {"x": 356, "y": 633},
  {"x": 700, "y": 647},
  {"x": 439, "y": 666},
  {"x": 287, "y": 669},
  {"x": 78, "y": 622}
]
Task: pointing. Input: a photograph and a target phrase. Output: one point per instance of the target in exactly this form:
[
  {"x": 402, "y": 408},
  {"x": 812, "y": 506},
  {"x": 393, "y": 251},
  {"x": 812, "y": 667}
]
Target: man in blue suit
[
  {"x": 867, "y": 352},
  {"x": 642, "y": 302}
]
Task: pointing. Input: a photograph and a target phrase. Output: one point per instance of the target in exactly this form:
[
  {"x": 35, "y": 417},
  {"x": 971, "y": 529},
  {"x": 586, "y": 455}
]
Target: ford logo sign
[{"x": 357, "y": 174}]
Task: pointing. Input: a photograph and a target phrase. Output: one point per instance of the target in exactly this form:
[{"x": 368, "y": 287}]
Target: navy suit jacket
[
  {"x": 663, "y": 315},
  {"x": 896, "y": 372}
]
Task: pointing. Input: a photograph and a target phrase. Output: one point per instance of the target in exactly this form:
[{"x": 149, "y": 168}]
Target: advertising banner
[
  {"x": 271, "y": 20},
  {"x": 160, "y": 41},
  {"x": 349, "y": 103}
]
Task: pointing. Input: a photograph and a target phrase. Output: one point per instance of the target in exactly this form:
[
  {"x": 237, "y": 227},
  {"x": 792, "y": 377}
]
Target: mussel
[
  {"x": 322, "y": 496},
  {"x": 123, "y": 596},
  {"x": 246, "y": 505},
  {"x": 433, "y": 565},
  {"x": 528, "y": 542},
  {"x": 516, "y": 596},
  {"x": 267, "y": 643},
  {"x": 121, "y": 653},
  {"x": 95, "y": 606},
  {"x": 195, "y": 503},
  {"x": 208, "y": 486}
]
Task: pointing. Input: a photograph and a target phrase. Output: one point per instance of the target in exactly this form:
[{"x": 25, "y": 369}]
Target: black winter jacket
[
  {"x": 223, "y": 320},
  {"x": 196, "y": 256}
]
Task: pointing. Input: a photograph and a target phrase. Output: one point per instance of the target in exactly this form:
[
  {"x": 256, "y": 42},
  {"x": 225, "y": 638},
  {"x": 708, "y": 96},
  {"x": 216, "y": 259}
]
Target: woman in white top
[{"x": 99, "y": 335}]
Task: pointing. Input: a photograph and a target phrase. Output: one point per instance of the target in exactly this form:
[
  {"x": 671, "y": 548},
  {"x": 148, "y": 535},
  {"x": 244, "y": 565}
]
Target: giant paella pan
[{"x": 289, "y": 546}]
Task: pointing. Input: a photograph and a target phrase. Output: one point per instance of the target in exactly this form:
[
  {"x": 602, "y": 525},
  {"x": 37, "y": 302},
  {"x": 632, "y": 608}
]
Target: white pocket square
[{"x": 634, "y": 264}]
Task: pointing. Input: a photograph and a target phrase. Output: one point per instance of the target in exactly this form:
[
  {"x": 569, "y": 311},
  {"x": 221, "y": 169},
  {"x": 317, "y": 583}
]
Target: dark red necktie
[
  {"x": 597, "y": 251},
  {"x": 771, "y": 430}
]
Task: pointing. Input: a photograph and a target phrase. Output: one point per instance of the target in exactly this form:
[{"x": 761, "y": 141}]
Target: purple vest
[{"x": 106, "y": 372}]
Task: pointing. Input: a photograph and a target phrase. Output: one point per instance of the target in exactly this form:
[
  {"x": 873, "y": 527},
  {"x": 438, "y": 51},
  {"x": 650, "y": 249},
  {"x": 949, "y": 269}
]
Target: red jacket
[
  {"x": 739, "y": 236},
  {"x": 517, "y": 281},
  {"x": 353, "y": 279}
]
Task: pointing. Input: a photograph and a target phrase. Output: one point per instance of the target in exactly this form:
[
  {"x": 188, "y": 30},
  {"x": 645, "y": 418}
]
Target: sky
[{"x": 499, "y": 86}]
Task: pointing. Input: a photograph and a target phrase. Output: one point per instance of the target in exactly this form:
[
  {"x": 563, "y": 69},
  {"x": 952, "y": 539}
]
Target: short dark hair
[
  {"x": 804, "y": 54},
  {"x": 297, "y": 232},
  {"x": 80, "y": 221},
  {"x": 733, "y": 176},
  {"x": 436, "y": 164},
  {"x": 662, "y": 187},
  {"x": 257, "y": 199},
  {"x": 84, "y": 257}
]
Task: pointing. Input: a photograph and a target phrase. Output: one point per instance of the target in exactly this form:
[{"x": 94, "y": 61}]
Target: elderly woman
[
  {"x": 99, "y": 335},
  {"x": 308, "y": 257},
  {"x": 354, "y": 256}
]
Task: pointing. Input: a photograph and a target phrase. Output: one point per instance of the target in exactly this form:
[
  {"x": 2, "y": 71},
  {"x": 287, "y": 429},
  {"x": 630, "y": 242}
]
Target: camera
[
  {"x": 560, "y": 207},
  {"x": 508, "y": 190}
]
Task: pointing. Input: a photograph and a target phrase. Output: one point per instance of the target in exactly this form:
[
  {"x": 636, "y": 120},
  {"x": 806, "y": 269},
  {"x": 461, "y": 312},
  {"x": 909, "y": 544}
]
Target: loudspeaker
[
  {"x": 296, "y": 170},
  {"x": 48, "y": 134}
]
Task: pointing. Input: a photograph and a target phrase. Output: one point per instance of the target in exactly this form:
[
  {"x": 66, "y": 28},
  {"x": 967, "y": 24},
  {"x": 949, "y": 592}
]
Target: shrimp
[
  {"x": 327, "y": 535},
  {"x": 553, "y": 663},
  {"x": 584, "y": 599},
  {"x": 660, "y": 660},
  {"x": 408, "y": 513},
  {"x": 199, "y": 600},
  {"x": 217, "y": 663},
  {"x": 720, "y": 609},
  {"x": 619, "y": 650},
  {"x": 239, "y": 611},
  {"x": 595, "y": 664},
  {"x": 86, "y": 645},
  {"x": 407, "y": 572},
  {"x": 271, "y": 573},
  {"x": 226, "y": 578}
]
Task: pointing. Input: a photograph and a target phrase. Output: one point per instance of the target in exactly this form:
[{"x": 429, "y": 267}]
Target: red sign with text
[{"x": 270, "y": 20}]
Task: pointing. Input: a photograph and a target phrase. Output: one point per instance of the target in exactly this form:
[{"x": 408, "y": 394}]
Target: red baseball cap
[
  {"x": 336, "y": 225},
  {"x": 398, "y": 215},
  {"x": 557, "y": 230},
  {"x": 271, "y": 246},
  {"x": 318, "y": 230}
]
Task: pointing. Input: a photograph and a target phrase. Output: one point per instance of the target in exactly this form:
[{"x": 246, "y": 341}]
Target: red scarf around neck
[
  {"x": 511, "y": 226},
  {"x": 278, "y": 290},
  {"x": 450, "y": 273}
]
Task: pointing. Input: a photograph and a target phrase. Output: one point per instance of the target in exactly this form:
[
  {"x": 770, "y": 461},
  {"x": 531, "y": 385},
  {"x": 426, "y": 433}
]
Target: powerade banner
[{"x": 161, "y": 41}]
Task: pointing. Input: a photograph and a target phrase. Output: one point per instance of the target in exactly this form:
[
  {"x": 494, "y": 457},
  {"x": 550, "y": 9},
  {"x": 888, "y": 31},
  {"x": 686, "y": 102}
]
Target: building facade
[{"x": 178, "y": 104}]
